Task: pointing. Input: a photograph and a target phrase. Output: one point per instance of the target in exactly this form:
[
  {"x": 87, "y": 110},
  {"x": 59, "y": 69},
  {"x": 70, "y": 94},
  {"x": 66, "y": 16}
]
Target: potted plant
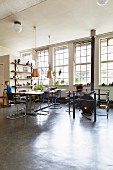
[
  {"x": 58, "y": 80},
  {"x": 39, "y": 87}
]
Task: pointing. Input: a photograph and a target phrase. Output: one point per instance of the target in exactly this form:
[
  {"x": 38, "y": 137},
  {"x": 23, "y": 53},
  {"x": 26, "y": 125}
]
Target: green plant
[
  {"x": 40, "y": 87},
  {"x": 77, "y": 80},
  {"x": 58, "y": 81}
]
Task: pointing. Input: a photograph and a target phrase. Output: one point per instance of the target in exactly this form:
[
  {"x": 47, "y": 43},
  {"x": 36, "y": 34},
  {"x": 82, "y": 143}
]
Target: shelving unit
[{"x": 22, "y": 76}]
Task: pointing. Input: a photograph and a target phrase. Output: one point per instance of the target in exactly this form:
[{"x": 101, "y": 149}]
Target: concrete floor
[{"x": 56, "y": 142}]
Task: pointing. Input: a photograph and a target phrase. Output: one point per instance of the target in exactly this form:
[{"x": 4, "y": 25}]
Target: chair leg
[
  {"x": 55, "y": 105},
  {"x": 14, "y": 116}
]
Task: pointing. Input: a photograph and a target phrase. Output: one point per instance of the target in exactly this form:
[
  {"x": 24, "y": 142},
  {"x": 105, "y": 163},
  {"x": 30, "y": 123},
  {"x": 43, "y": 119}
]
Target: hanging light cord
[{"x": 34, "y": 35}]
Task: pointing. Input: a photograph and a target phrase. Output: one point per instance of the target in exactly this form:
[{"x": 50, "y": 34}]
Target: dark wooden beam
[{"x": 92, "y": 57}]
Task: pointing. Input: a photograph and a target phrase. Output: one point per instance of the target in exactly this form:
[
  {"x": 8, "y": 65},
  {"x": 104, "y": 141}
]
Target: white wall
[
  {"x": 7, "y": 51},
  {"x": 5, "y": 60}
]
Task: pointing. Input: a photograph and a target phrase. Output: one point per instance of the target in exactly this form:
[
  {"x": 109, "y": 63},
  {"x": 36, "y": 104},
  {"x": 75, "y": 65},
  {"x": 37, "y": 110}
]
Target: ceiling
[{"x": 63, "y": 20}]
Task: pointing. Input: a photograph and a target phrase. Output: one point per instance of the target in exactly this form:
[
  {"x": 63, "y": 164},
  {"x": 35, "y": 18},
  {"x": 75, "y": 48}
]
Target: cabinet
[{"x": 21, "y": 75}]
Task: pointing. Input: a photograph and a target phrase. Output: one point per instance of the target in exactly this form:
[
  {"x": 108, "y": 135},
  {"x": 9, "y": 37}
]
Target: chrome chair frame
[{"x": 16, "y": 101}]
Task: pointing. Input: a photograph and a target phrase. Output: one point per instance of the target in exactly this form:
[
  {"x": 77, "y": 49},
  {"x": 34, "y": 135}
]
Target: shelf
[
  {"x": 21, "y": 72},
  {"x": 20, "y": 69},
  {"x": 21, "y": 64},
  {"x": 26, "y": 86},
  {"x": 20, "y": 79}
]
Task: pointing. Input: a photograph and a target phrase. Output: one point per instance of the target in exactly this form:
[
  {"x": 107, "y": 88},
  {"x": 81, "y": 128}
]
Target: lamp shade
[
  {"x": 35, "y": 72},
  {"x": 17, "y": 26},
  {"x": 102, "y": 2},
  {"x": 49, "y": 74}
]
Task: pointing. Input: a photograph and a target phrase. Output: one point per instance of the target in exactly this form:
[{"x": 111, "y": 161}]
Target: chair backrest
[
  {"x": 10, "y": 96},
  {"x": 79, "y": 88},
  {"x": 58, "y": 93},
  {"x": 46, "y": 95}
]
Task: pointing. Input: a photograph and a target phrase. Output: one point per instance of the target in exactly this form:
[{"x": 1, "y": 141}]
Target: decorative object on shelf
[
  {"x": 28, "y": 63},
  {"x": 102, "y": 2},
  {"x": 18, "y": 61},
  {"x": 28, "y": 77},
  {"x": 28, "y": 83},
  {"x": 111, "y": 84},
  {"x": 88, "y": 84},
  {"x": 15, "y": 61},
  {"x": 25, "y": 69},
  {"x": 17, "y": 26},
  {"x": 20, "y": 77},
  {"x": 17, "y": 68},
  {"x": 103, "y": 84}
]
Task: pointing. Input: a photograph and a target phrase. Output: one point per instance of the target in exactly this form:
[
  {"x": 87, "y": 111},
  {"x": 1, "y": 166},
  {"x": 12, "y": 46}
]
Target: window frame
[
  {"x": 61, "y": 79},
  {"x": 43, "y": 80},
  {"x": 81, "y": 64}
]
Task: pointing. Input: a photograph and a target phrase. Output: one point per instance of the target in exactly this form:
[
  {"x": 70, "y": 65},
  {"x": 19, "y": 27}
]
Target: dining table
[{"x": 27, "y": 97}]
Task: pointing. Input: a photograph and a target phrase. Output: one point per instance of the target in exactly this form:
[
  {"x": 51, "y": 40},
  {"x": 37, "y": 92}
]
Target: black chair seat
[{"x": 15, "y": 100}]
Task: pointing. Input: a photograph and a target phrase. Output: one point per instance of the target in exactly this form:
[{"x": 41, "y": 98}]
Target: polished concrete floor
[{"x": 56, "y": 142}]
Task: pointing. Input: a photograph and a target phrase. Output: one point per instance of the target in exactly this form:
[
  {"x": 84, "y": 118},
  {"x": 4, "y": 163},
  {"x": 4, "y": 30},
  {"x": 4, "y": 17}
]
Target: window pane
[
  {"x": 83, "y": 68},
  {"x": 110, "y": 80},
  {"x": 88, "y": 66},
  {"x": 88, "y": 80},
  {"x": 43, "y": 66},
  {"x": 83, "y": 53},
  {"x": 77, "y": 53},
  {"x": 83, "y": 57},
  {"x": 89, "y": 59},
  {"x": 110, "y": 73},
  {"x": 104, "y": 73},
  {"x": 110, "y": 49},
  {"x": 83, "y": 47},
  {"x": 78, "y": 68},
  {"x": 110, "y": 65},
  {"x": 104, "y": 57},
  {"x": 61, "y": 64},
  {"x": 103, "y": 66},
  {"x": 103, "y": 43},
  {"x": 77, "y": 60},
  {"x": 103, "y": 50},
  {"x": 104, "y": 80},
  {"x": 110, "y": 56}
]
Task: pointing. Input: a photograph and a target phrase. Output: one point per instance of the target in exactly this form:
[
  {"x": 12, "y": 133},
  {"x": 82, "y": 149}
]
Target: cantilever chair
[
  {"x": 16, "y": 101},
  {"x": 54, "y": 97},
  {"x": 103, "y": 100}
]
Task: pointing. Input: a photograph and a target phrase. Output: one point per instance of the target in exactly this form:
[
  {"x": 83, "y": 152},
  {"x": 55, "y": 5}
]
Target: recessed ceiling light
[{"x": 102, "y": 2}]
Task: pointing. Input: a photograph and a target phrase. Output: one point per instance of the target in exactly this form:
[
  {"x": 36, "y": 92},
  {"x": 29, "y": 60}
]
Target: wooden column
[{"x": 93, "y": 33}]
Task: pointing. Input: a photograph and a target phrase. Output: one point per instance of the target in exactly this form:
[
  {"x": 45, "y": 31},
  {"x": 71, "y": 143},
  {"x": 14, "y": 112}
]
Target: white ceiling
[{"x": 64, "y": 20}]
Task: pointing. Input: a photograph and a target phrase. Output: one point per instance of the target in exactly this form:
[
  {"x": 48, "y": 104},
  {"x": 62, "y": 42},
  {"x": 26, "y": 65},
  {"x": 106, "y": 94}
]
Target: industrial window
[
  {"x": 43, "y": 66},
  {"x": 26, "y": 55},
  {"x": 61, "y": 65},
  {"x": 82, "y": 59},
  {"x": 106, "y": 61}
]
